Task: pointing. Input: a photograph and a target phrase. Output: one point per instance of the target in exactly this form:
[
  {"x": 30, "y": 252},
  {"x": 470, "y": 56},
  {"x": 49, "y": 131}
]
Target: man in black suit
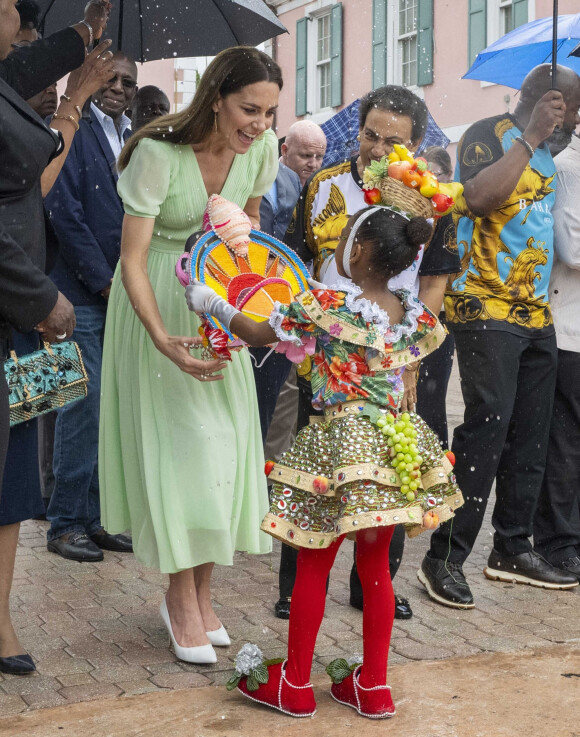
[{"x": 87, "y": 215}]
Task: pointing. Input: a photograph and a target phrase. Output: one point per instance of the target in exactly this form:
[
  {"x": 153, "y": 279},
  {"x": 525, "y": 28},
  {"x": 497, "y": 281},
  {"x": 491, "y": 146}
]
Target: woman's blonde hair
[{"x": 231, "y": 70}]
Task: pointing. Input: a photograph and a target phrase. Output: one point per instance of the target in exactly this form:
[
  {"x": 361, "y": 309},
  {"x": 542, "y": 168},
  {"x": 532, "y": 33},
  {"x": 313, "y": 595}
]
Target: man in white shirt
[
  {"x": 557, "y": 520},
  {"x": 87, "y": 215}
]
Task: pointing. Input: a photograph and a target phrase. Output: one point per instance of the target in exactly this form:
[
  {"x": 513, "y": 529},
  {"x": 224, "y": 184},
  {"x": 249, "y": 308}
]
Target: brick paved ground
[{"x": 95, "y": 632}]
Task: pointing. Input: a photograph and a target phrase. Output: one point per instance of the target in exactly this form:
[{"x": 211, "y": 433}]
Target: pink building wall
[
  {"x": 159, "y": 73},
  {"x": 357, "y": 57}
]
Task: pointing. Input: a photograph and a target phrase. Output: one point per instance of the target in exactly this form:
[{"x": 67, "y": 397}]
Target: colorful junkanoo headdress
[
  {"x": 353, "y": 231},
  {"x": 251, "y": 270}
]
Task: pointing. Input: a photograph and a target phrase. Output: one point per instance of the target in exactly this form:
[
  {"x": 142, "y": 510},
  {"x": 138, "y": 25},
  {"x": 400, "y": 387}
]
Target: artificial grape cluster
[{"x": 403, "y": 451}]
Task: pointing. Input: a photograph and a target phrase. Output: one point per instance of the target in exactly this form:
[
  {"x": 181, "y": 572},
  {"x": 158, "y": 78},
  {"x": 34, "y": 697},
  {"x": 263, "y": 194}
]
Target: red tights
[{"x": 308, "y": 599}]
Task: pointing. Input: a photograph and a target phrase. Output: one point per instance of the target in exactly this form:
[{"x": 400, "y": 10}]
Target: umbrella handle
[
  {"x": 43, "y": 19},
  {"x": 554, "y": 44}
]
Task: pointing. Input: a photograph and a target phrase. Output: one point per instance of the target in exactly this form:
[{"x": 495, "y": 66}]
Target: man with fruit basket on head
[
  {"x": 389, "y": 117},
  {"x": 506, "y": 347}
]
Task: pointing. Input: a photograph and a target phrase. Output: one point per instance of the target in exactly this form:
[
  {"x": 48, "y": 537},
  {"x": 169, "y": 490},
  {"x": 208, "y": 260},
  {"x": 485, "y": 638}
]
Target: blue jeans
[{"x": 74, "y": 505}]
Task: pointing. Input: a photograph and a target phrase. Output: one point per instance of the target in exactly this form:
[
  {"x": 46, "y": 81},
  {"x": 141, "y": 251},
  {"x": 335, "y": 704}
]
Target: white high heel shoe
[
  {"x": 201, "y": 654},
  {"x": 219, "y": 638}
]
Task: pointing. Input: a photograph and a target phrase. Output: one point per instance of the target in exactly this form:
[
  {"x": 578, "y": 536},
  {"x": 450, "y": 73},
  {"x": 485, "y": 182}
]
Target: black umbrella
[{"x": 166, "y": 29}]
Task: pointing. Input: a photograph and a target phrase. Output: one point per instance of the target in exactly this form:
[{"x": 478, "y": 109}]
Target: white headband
[{"x": 357, "y": 223}]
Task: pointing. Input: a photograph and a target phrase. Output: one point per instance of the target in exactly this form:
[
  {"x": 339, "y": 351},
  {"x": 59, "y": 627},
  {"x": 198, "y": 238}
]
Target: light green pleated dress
[{"x": 180, "y": 462}]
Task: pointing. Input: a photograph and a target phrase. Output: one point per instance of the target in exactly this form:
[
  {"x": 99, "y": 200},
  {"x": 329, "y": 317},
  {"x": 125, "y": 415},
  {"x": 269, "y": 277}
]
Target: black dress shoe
[
  {"x": 282, "y": 608},
  {"x": 402, "y": 608},
  {"x": 17, "y": 665},
  {"x": 116, "y": 543},
  {"x": 75, "y": 546},
  {"x": 356, "y": 601},
  {"x": 445, "y": 583},
  {"x": 530, "y": 568},
  {"x": 572, "y": 565}
]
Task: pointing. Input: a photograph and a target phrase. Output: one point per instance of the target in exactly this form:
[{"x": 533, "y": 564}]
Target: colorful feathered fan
[{"x": 248, "y": 268}]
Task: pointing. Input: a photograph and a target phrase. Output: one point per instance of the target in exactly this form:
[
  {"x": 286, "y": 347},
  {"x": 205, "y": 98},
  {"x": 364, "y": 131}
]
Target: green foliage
[{"x": 339, "y": 669}]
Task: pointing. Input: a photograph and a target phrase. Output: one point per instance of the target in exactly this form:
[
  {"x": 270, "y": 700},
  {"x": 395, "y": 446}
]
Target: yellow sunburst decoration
[{"x": 252, "y": 270}]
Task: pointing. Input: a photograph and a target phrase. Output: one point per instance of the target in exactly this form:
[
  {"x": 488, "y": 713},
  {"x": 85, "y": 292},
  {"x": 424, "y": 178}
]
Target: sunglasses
[{"x": 127, "y": 83}]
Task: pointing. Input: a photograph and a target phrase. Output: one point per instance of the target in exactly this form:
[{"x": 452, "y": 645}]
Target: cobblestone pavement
[{"x": 95, "y": 632}]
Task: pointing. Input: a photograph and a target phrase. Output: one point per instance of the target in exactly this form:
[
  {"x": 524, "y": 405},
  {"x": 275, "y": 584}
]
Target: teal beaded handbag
[{"x": 45, "y": 380}]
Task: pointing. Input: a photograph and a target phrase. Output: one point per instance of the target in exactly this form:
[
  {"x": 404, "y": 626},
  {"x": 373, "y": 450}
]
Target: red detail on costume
[
  {"x": 451, "y": 457},
  {"x": 272, "y": 524},
  {"x": 427, "y": 319},
  {"x": 217, "y": 340},
  {"x": 240, "y": 283}
]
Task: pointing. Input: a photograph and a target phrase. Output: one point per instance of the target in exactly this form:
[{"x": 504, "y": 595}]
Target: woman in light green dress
[{"x": 180, "y": 459}]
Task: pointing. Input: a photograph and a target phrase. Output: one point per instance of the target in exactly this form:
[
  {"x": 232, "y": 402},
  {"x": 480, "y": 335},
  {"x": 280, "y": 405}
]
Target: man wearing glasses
[{"x": 87, "y": 215}]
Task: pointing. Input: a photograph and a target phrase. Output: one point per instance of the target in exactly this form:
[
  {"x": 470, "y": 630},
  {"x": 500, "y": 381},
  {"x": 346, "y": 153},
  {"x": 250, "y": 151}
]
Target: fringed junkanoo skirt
[{"x": 340, "y": 477}]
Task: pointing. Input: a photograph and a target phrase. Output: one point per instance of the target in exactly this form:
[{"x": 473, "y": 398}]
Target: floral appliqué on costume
[{"x": 340, "y": 371}]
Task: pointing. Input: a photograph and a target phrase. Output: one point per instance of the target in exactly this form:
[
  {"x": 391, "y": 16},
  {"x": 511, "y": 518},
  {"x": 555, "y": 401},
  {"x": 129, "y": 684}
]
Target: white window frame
[
  {"x": 401, "y": 38},
  {"x": 322, "y": 63},
  {"x": 313, "y": 12},
  {"x": 494, "y": 18},
  {"x": 394, "y": 57},
  {"x": 494, "y": 23}
]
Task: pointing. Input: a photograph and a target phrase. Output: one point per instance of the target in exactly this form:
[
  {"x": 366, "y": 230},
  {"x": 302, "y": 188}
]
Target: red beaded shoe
[
  {"x": 375, "y": 703},
  {"x": 279, "y": 693}
]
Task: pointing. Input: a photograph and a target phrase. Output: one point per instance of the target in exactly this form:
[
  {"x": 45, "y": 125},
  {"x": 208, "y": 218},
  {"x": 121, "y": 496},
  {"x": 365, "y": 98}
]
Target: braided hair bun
[{"x": 418, "y": 231}]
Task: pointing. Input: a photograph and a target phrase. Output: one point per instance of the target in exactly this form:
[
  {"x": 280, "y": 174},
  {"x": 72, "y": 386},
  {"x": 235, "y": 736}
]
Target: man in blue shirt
[
  {"x": 498, "y": 309},
  {"x": 87, "y": 215}
]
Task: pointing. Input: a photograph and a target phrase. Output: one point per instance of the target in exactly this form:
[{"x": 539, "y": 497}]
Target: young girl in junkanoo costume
[{"x": 356, "y": 471}]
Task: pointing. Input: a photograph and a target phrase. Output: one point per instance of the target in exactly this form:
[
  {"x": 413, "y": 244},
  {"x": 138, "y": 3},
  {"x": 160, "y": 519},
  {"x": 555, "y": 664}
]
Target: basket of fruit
[{"x": 405, "y": 182}]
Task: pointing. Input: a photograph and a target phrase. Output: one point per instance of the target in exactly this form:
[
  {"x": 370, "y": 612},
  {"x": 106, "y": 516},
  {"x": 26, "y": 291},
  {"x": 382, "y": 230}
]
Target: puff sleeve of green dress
[{"x": 180, "y": 462}]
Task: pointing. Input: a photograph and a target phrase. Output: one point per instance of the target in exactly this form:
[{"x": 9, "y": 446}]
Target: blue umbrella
[
  {"x": 508, "y": 60},
  {"x": 341, "y": 131}
]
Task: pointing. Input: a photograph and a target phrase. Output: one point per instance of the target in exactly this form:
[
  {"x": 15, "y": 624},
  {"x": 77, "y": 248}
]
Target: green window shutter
[
  {"x": 379, "y": 43},
  {"x": 336, "y": 55},
  {"x": 425, "y": 42},
  {"x": 519, "y": 12},
  {"x": 477, "y": 28},
  {"x": 301, "y": 60}
]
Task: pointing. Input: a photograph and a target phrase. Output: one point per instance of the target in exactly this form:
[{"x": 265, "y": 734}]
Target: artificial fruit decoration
[
  {"x": 398, "y": 168},
  {"x": 403, "y": 153},
  {"x": 451, "y": 189},
  {"x": 442, "y": 204},
  {"x": 321, "y": 485},
  {"x": 412, "y": 179},
  {"x": 269, "y": 467},
  {"x": 372, "y": 196},
  {"x": 420, "y": 164},
  {"x": 430, "y": 520},
  {"x": 429, "y": 185}
]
